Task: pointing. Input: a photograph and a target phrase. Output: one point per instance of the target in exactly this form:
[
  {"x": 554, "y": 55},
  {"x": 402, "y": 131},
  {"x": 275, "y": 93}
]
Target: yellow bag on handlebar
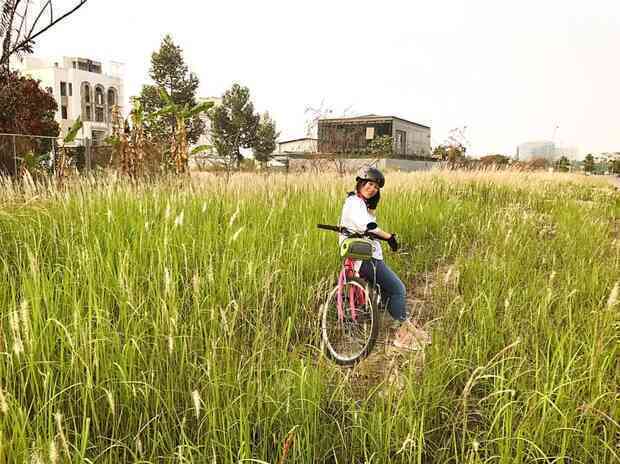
[{"x": 356, "y": 248}]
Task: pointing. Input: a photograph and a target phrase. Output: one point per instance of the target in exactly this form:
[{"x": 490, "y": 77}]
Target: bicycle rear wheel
[{"x": 348, "y": 341}]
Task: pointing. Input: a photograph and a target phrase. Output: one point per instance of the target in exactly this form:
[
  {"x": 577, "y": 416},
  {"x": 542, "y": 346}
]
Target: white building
[
  {"x": 81, "y": 87},
  {"x": 303, "y": 145},
  {"x": 206, "y": 137},
  {"x": 533, "y": 150}
]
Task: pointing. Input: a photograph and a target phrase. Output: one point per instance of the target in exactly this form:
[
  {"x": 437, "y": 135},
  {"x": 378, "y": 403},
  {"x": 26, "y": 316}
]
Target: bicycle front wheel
[{"x": 348, "y": 340}]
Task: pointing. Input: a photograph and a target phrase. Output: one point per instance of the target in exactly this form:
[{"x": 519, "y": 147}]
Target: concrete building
[
  {"x": 303, "y": 145},
  {"x": 350, "y": 135},
  {"x": 541, "y": 149},
  {"x": 81, "y": 87},
  {"x": 206, "y": 158},
  {"x": 206, "y": 137}
]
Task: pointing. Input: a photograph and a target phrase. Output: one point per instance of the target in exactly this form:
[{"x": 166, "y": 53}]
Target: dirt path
[{"x": 388, "y": 365}]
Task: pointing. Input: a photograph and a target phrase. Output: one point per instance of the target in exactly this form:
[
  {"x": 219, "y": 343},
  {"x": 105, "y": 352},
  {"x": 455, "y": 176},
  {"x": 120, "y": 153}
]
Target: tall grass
[{"x": 177, "y": 322}]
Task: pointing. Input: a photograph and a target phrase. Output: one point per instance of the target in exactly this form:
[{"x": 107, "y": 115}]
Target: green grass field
[{"x": 177, "y": 322}]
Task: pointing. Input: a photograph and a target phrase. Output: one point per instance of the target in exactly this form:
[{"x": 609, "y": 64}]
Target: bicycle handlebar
[{"x": 349, "y": 233}]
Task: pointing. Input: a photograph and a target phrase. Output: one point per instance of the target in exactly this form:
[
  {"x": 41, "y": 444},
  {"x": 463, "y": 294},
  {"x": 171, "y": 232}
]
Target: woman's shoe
[{"x": 407, "y": 337}]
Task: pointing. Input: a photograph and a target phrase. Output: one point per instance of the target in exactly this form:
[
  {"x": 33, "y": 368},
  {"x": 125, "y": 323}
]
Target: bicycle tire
[{"x": 367, "y": 324}]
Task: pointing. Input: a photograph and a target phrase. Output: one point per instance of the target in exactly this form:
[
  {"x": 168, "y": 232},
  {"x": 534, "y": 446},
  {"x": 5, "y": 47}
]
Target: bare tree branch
[
  {"x": 23, "y": 41},
  {"x": 36, "y": 20},
  {"x": 23, "y": 19}
]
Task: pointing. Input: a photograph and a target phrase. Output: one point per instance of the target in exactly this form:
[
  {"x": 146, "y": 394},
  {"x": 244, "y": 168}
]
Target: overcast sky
[{"x": 509, "y": 71}]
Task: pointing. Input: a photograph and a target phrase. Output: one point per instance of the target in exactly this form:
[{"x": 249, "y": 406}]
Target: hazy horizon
[{"x": 511, "y": 73}]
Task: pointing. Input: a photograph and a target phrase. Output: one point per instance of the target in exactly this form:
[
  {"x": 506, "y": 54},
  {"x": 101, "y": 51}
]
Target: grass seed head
[
  {"x": 4, "y": 406},
  {"x": 110, "y": 399},
  {"x": 167, "y": 280},
  {"x": 233, "y": 218},
  {"x": 53, "y": 452},
  {"x": 196, "y": 400},
  {"x": 24, "y": 315},
  {"x": 61, "y": 434},
  {"x": 18, "y": 345},
  {"x": 35, "y": 457},
  {"x": 196, "y": 282},
  {"x": 236, "y": 234},
  {"x": 612, "y": 301},
  {"x": 178, "y": 221}
]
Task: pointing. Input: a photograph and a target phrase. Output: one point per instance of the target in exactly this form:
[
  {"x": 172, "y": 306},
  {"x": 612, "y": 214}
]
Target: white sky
[{"x": 509, "y": 71}]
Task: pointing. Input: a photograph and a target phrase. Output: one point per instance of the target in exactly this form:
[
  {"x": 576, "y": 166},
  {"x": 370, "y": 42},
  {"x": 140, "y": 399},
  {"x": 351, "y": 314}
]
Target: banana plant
[
  {"x": 69, "y": 138},
  {"x": 179, "y": 152}
]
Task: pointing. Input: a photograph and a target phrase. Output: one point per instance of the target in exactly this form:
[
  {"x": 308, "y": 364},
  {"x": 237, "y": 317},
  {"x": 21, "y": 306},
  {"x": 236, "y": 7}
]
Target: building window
[
  {"x": 70, "y": 89},
  {"x": 86, "y": 93},
  {"x": 98, "y": 96},
  {"x": 99, "y": 114},
  {"x": 63, "y": 89},
  {"x": 88, "y": 113},
  {"x": 401, "y": 142},
  {"x": 63, "y": 111},
  {"x": 111, "y": 97},
  {"x": 98, "y": 137}
]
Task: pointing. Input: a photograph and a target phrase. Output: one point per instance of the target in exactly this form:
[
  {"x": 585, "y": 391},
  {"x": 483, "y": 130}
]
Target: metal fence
[{"x": 40, "y": 153}]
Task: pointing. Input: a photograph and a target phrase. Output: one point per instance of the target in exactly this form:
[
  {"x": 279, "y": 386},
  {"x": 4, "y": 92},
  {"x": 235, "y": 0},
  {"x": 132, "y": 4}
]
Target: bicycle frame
[{"x": 356, "y": 296}]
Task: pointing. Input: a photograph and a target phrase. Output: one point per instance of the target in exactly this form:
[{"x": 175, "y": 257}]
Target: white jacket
[{"x": 356, "y": 217}]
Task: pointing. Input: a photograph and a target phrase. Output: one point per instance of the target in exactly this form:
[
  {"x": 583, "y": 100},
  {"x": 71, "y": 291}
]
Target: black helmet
[{"x": 371, "y": 174}]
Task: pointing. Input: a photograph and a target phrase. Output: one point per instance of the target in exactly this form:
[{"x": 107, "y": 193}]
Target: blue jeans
[{"x": 393, "y": 290}]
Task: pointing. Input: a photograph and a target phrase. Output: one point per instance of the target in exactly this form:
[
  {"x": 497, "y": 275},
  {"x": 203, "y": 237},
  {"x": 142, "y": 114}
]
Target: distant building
[
  {"x": 350, "y": 135},
  {"x": 81, "y": 87},
  {"x": 303, "y": 145},
  {"x": 606, "y": 157},
  {"x": 533, "y": 150},
  {"x": 206, "y": 138}
]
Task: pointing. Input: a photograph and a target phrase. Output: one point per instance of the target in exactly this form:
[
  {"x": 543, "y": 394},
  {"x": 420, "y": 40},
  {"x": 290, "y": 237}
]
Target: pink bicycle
[{"x": 349, "y": 316}]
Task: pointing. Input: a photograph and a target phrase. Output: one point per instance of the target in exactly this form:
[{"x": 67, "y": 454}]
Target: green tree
[
  {"x": 494, "y": 160},
  {"x": 454, "y": 154},
  {"x": 588, "y": 163},
  {"x": 169, "y": 71},
  {"x": 25, "y": 108},
  {"x": 265, "y": 141},
  {"x": 234, "y": 124},
  {"x": 563, "y": 164},
  {"x": 614, "y": 165},
  {"x": 381, "y": 147}
]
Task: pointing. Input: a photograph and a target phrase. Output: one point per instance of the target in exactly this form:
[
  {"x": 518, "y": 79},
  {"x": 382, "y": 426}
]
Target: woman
[{"x": 358, "y": 214}]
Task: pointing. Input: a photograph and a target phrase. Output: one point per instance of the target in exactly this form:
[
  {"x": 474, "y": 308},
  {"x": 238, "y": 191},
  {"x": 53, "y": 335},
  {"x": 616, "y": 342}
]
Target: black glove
[
  {"x": 393, "y": 243},
  {"x": 372, "y": 202}
]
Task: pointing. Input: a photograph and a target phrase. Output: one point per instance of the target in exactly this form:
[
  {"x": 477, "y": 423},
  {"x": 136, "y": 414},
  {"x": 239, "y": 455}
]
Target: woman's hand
[{"x": 393, "y": 243}]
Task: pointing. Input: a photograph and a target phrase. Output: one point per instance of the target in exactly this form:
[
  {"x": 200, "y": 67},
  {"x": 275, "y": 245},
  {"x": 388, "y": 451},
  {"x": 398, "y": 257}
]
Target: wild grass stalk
[{"x": 178, "y": 320}]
